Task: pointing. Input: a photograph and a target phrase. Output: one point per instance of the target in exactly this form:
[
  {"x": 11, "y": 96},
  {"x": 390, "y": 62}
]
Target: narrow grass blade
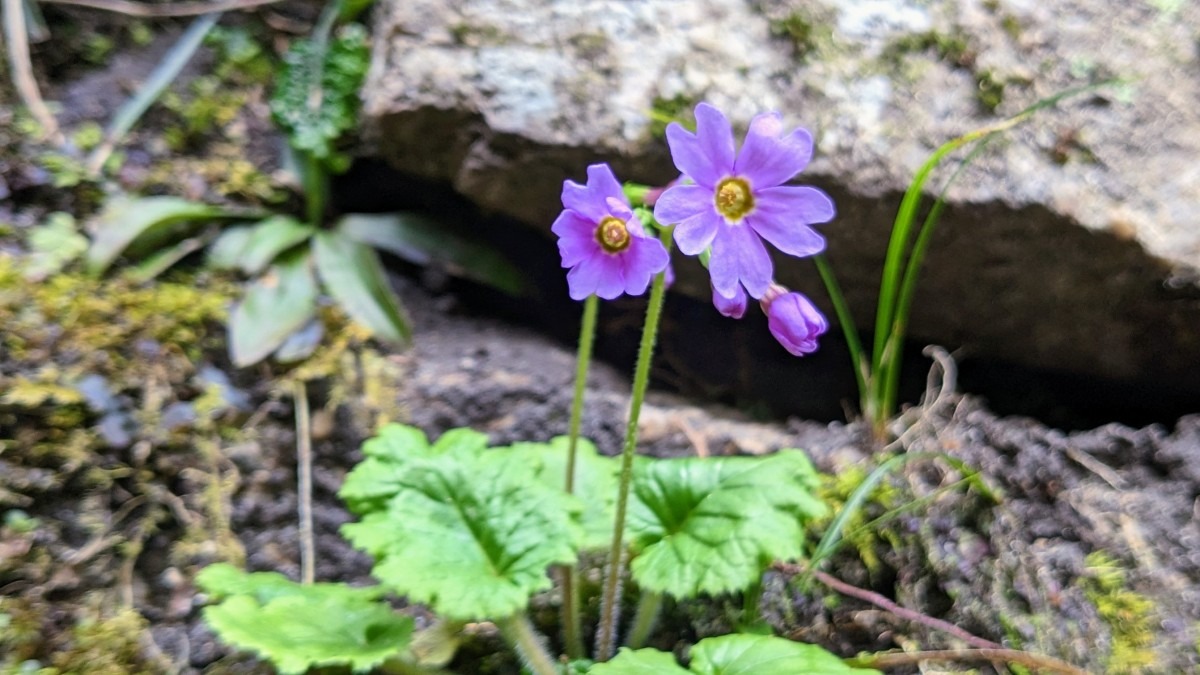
[{"x": 162, "y": 77}]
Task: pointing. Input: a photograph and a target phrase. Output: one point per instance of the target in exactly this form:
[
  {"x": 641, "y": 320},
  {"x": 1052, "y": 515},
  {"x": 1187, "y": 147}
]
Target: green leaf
[
  {"x": 596, "y": 479},
  {"x": 275, "y": 305},
  {"x": 53, "y": 245},
  {"x": 712, "y": 525},
  {"x": 766, "y": 655},
  {"x": 270, "y": 238},
  {"x": 734, "y": 655},
  {"x": 422, "y": 240},
  {"x": 639, "y": 662},
  {"x": 298, "y": 627},
  {"x": 147, "y": 222},
  {"x": 371, "y": 484},
  {"x": 353, "y": 275},
  {"x": 470, "y": 534},
  {"x": 317, "y": 97},
  {"x": 301, "y": 344},
  {"x": 226, "y": 252}
]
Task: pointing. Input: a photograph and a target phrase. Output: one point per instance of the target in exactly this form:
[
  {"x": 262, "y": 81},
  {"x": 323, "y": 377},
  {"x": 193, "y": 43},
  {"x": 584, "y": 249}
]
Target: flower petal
[
  {"x": 645, "y": 258},
  {"x": 680, "y": 202},
  {"x": 735, "y": 307},
  {"x": 600, "y": 275},
  {"x": 782, "y": 216},
  {"x": 591, "y": 200},
  {"x": 696, "y": 233},
  {"x": 707, "y": 155},
  {"x": 738, "y": 255},
  {"x": 768, "y": 158},
  {"x": 576, "y": 238}
]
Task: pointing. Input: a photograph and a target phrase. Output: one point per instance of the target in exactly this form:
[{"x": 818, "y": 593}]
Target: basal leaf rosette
[
  {"x": 377, "y": 478},
  {"x": 734, "y": 655},
  {"x": 711, "y": 525},
  {"x": 290, "y": 624},
  {"x": 469, "y": 534}
]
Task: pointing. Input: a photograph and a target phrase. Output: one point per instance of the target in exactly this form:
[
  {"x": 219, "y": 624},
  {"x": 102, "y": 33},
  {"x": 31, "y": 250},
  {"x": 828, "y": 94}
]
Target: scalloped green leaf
[
  {"x": 375, "y": 480},
  {"x": 639, "y": 662},
  {"x": 596, "y": 478},
  {"x": 289, "y": 624},
  {"x": 469, "y": 534},
  {"x": 353, "y": 275},
  {"x": 734, "y": 655},
  {"x": 712, "y": 525},
  {"x": 766, "y": 655},
  {"x": 275, "y": 305}
]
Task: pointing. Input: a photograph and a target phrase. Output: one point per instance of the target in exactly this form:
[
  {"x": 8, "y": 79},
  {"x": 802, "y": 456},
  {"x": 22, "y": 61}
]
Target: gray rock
[{"x": 1071, "y": 244}]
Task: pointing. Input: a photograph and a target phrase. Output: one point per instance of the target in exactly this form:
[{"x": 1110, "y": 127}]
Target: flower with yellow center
[
  {"x": 601, "y": 240},
  {"x": 734, "y": 199}
]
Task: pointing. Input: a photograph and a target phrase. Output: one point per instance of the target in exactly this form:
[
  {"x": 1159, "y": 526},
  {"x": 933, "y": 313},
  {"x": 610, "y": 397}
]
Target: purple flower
[
  {"x": 602, "y": 241},
  {"x": 794, "y": 321},
  {"x": 739, "y": 198}
]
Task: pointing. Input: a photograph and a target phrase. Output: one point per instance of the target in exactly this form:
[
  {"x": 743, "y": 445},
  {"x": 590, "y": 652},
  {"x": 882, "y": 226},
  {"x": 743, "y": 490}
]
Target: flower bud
[
  {"x": 735, "y": 307},
  {"x": 795, "y": 322}
]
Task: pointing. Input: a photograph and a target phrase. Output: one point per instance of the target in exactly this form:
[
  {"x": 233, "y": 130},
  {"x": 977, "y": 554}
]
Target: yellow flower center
[
  {"x": 733, "y": 198},
  {"x": 612, "y": 235}
]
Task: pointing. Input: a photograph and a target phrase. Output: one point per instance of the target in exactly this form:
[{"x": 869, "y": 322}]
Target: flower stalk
[
  {"x": 610, "y": 602},
  {"x": 570, "y": 585},
  {"x": 529, "y": 645}
]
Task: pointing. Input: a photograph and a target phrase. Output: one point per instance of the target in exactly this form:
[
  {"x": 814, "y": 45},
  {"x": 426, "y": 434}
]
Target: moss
[
  {"x": 990, "y": 92},
  {"x": 867, "y": 541},
  {"x": 1129, "y": 615},
  {"x": 805, "y": 33},
  {"x": 954, "y": 49},
  {"x": 667, "y": 110}
]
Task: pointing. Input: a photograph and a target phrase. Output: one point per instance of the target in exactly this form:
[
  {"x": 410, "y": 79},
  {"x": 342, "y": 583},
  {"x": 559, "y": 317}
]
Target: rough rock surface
[{"x": 1072, "y": 245}]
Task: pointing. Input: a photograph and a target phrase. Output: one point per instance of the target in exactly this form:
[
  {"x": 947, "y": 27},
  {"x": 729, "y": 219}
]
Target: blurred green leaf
[
  {"x": 298, "y": 627},
  {"x": 145, "y": 223},
  {"x": 301, "y": 344},
  {"x": 353, "y": 275},
  {"x": 639, "y": 662},
  {"x": 423, "y": 240},
  {"x": 275, "y": 305},
  {"x": 53, "y": 245},
  {"x": 261, "y": 243},
  {"x": 712, "y": 525}
]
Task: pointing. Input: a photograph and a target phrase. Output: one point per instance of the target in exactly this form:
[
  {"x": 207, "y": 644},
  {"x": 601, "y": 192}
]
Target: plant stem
[
  {"x": 858, "y": 360},
  {"x": 304, "y": 479},
  {"x": 610, "y": 610},
  {"x": 316, "y": 189},
  {"x": 530, "y": 646},
  {"x": 644, "y": 619},
  {"x": 16, "y": 36},
  {"x": 570, "y": 585}
]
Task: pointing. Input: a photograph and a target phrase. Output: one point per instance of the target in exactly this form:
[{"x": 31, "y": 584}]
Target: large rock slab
[{"x": 1072, "y": 245}]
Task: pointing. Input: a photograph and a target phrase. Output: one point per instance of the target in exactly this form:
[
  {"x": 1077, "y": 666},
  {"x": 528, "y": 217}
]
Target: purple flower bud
[
  {"x": 795, "y": 322},
  {"x": 735, "y": 307}
]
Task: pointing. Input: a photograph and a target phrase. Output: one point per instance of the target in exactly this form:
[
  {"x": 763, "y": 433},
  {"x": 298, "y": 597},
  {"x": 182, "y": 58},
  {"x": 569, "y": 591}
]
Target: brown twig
[
  {"x": 17, "y": 39},
  {"x": 887, "y": 605},
  {"x": 174, "y": 9},
  {"x": 985, "y": 650},
  {"x": 1015, "y": 656}
]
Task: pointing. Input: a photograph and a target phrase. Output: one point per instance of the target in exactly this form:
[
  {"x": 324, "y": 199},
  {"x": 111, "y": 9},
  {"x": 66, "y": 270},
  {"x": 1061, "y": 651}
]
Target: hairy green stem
[
  {"x": 610, "y": 610},
  {"x": 530, "y": 646},
  {"x": 570, "y": 585},
  {"x": 645, "y": 618}
]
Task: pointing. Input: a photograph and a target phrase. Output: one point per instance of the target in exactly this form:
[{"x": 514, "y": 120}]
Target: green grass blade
[
  {"x": 162, "y": 77},
  {"x": 842, "y": 310}
]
